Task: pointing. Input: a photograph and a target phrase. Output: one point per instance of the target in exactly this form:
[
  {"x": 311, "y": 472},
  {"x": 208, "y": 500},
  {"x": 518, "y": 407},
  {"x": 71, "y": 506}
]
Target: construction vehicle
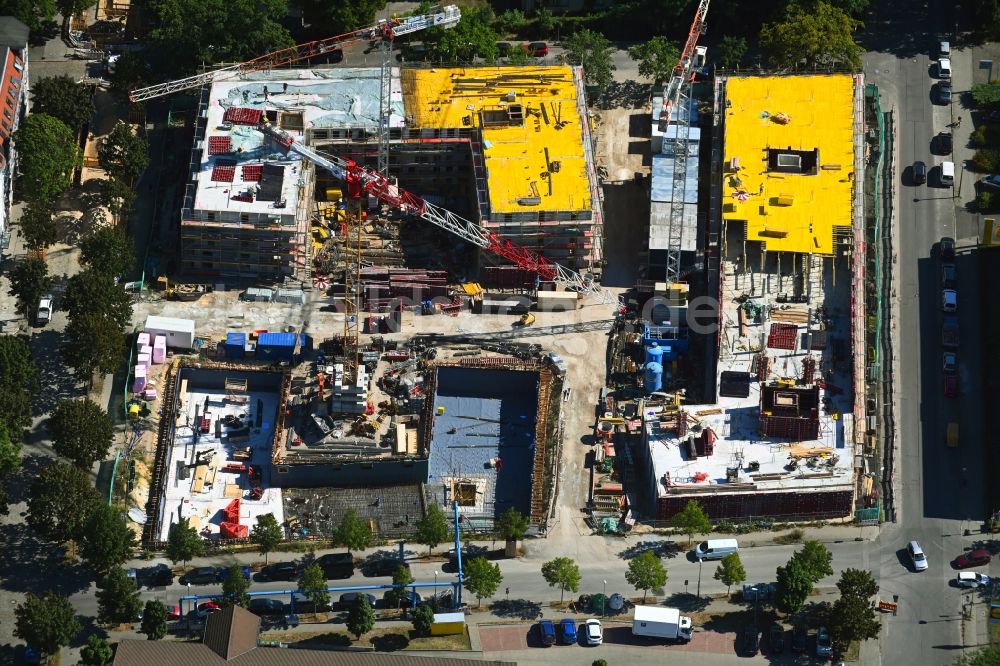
[
  {"x": 527, "y": 319},
  {"x": 386, "y": 29}
]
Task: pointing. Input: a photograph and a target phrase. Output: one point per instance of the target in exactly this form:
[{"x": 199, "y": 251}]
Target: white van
[
  {"x": 944, "y": 49},
  {"x": 947, "y": 174},
  {"x": 715, "y": 549},
  {"x": 944, "y": 68}
]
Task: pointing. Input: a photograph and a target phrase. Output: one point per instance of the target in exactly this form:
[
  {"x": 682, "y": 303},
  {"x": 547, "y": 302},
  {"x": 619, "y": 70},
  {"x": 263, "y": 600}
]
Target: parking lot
[{"x": 521, "y": 637}]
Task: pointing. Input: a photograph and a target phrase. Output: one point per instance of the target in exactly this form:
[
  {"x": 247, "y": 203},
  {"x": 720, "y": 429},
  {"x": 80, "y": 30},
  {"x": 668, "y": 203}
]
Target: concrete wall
[
  {"x": 215, "y": 378},
  {"x": 349, "y": 474}
]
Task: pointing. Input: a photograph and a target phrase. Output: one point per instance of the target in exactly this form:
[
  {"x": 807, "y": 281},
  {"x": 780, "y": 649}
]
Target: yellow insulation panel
[
  {"x": 789, "y": 212},
  {"x": 514, "y": 152}
]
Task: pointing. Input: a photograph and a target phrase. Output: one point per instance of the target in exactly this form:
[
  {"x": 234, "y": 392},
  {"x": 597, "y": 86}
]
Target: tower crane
[
  {"x": 360, "y": 181},
  {"x": 386, "y": 29},
  {"x": 676, "y": 96}
]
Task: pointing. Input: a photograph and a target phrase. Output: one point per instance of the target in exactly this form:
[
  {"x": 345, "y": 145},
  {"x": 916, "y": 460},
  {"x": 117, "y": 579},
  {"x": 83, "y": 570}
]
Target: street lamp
[
  {"x": 604, "y": 606},
  {"x": 700, "y": 561}
]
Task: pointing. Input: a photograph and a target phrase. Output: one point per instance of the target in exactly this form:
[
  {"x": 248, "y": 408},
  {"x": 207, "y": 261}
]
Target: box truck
[{"x": 657, "y": 622}]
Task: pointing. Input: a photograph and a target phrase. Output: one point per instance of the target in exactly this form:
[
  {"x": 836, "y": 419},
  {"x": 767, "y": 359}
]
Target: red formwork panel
[
  {"x": 242, "y": 116},
  {"x": 782, "y": 336},
  {"x": 253, "y": 172},
  {"x": 223, "y": 173},
  {"x": 219, "y": 145}
]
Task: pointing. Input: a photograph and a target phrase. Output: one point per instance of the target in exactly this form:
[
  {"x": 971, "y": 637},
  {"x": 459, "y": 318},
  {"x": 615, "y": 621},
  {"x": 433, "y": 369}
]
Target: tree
[
  {"x": 18, "y": 379},
  {"x": 472, "y": 37},
  {"x": 692, "y": 519},
  {"x": 361, "y": 616},
  {"x": 184, "y": 542},
  {"x": 97, "y": 652},
  {"x": 335, "y": 18},
  {"x": 402, "y": 577},
  {"x": 29, "y": 281},
  {"x": 794, "y": 586},
  {"x": 10, "y": 453},
  {"x": 118, "y": 197},
  {"x": 154, "y": 620},
  {"x": 512, "y": 525},
  {"x": 131, "y": 72},
  {"x": 93, "y": 343},
  {"x": 267, "y": 534},
  {"x": 93, "y": 291},
  {"x": 819, "y": 35},
  {"x": 985, "y": 656},
  {"x": 235, "y": 586},
  {"x": 857, "y": 583},
  {"x": 118, "y": 599},
  {"x": 48, "y": 156},
  {"x": 852, "y": 619},
  {"x": 108, "y": 250},
  {"x": 432, "y": 529},
  {"x": 986, "y": 95},
  {"x": 817, "y": 559},
  {"x": 731, "y": 51},
  {"x": 482, "y": 578},
  {"x": 592, "y": 51},
  {"x": 46, "y": 622},
  {"x": 511, "y": 20},
  {"x": 31, "y": 13},
  {"x": 37, "y": 226},
  {"x": 81, "y": 431},
  {"x": 61, "y": 502},
  {"x": 107, "y": 541},
  {"x": 313, "y": 586},
  {"x": 646, "y": 572},
  {"x": 63, "y": 98},
  {"x": 191, "y": 32},
  {"x": 422, "y": 617},
  {"x": 730, "y": 571},
  {"x": 353, "y": 532},
  {"x": 657, "y": 58},
  {"x": 123, "y": 153},
  {"x": 564, "y": 573}
]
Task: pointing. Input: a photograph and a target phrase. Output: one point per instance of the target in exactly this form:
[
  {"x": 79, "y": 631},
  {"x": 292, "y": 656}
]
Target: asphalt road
[{"x": 934, "y": 495}]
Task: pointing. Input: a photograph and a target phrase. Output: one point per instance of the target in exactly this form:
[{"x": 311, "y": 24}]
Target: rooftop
[
  {"x": 789, "y": 159},
  {"x": 530, "y": 122},
  {"x": 242, "y": 171}
]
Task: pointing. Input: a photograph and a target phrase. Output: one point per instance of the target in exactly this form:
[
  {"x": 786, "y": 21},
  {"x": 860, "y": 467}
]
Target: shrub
[
  {"x": 978, "y": 138},
  {"x": 512, "y": 20},
  {"x": 985, "y": 202},
  {"x": 795, "y": 536},
  {"x": 986, "y": 160}
]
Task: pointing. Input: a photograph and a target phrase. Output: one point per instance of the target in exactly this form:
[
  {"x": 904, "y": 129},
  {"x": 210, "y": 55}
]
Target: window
[
  {"x": 15, "y": 81},
  {"x": 18, "y": 65}
]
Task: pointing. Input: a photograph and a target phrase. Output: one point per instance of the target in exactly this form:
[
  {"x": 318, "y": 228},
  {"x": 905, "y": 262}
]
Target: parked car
[
  {"x": 751, "y": 640},
  {"x": 919, "y": 173},
  {"x": 159, "y": 575},
  {"x": 991, "y": 181},
  {"x": 824, "y": 646},
  {"x": 567, "y": 626},
  {"x": 917, "y": 556},
  {"x": 43, "y": 314},
  {"x": 949, "y": 362},
  {"x": 407, "y": 598},
  {"x": 279, "y": 571},
  {"x": 949, "y": 300},
  {"x": 347, "y": 599},
  {"x": 336, "y": 565},
  {"x": 944, "y": 92},
  {"x": 972, "y": 579},
  {"x": 200, "y": 576},
  {"x": 547, "y": 631},
  {"x": 800, "y": 639},
  {"x": 207, "y": 608},
  {"x": 537, "y": 49},
  {"x": 266, "y": 607},
  {"x": 385, "y": 566},
  {"x": 224, "y": 573},
  {"x": 503, "y": 49},
  {"x": 943, "y": 143},
  {"x": 776, "y": 639},
  {"x": 949, "y": 277},
  {"x": 946, "y": 248},
  {"x": 950, "y": 386},
  {"x": 974, "y": 558},
  {"x": 593, "y": 632}
]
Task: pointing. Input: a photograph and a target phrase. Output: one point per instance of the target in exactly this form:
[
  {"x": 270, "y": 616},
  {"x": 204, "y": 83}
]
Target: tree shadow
[
  {"x": 89, "y": 627},
  {"x": 688, "y": 603},
  {"x": 31, "y": 565},
  {"x": 19, "y": 485},
  {"x": 667, "y": 549},
  {"x": 521, "y": 609},
  {"x": 54, "y": 382},
  {"x": 727, "y": 622},
  {"x": 628, "y": 94},
  {"x": 390, "y": 642}
]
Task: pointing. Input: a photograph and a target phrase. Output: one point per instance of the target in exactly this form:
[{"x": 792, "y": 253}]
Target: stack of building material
[
  {"x": 230, "y": 527},
  {"x": 159, "y": 349},
  {"x": 139, "y": 381},
  {"x": 144, "y": 360},
  {"x": 346, "y": 398},
  {"x": 507, "y": 277},
  {"x": 381, "y": 285},
  {"x": 142, "y": 340}
]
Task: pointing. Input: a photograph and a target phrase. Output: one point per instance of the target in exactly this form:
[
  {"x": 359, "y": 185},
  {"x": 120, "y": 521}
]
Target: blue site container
[
  {"x": 276, "y": 346},
  {"x": 236, "y": 344}
]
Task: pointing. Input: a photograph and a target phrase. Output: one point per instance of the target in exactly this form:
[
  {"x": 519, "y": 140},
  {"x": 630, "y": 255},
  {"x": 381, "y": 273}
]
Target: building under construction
[
  {"x": 780, "y": 430},
  {"x": 507, "y": 147}
]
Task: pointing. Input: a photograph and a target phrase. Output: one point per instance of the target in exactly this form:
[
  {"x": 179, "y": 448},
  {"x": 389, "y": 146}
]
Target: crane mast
[
  {"x": 386, "y": 29},
  {"x": 676, "y": 99}
]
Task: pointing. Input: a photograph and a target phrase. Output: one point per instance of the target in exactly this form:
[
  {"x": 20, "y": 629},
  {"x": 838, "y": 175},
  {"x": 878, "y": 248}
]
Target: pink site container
[
  {"x": 159, "y": 349},
  {"x": 139, "y": 383}
]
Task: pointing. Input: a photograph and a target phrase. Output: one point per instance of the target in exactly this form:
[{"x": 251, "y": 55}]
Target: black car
[
  {"x": 200, "y": 576},
  {"x": 947, "y": 249},
  {"x": 751, "y": 641},
  {"x": 503, "y": 49},
  {"x": 279, "y": 571},
  {"x": 386, "y": 566},
  {"x": 919, "y": 173},
  {"x": 336, "y": 565},
  {"x": 157, "y": 576},
  {"x": 406, "y": 598},
  {"x": 348, "y": 598},
  {"x": 944, "y": 143},
  {"x": 776, "y": 639},
  {"x": 264, "y": 607},
  {"x": 800, "y": 639},
  {"x": 944, "y": 92}
]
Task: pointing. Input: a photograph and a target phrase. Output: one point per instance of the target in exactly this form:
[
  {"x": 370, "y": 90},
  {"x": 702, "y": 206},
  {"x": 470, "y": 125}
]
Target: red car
[
  {"x": 537, "y": 49},
  {"x": 950, "y": 386},
  {"x": 973, "y": 558}
]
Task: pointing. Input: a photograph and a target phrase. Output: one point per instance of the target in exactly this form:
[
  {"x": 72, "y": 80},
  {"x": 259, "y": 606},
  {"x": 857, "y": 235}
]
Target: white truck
[{"x": 657, "y": 622}]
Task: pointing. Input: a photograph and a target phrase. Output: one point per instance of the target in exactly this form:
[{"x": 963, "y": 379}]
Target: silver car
[{"x": 972, "y": 579}]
